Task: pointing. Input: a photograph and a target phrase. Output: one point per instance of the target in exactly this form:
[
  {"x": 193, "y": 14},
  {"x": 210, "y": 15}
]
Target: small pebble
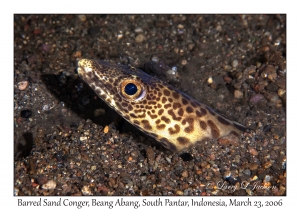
[
  {"x": 256, "y": 98},
  {"x": 82, "y": 18},
  {"x": 155, "y": 59},
  {"x": 272, "y": 97},
  {"x": 191, "y": 46},
  {"x": 227, "y": 174},
  {"x": 86, "y": 190},
  {"x": 134, "y": 154},
  {"x": 253, "y": 152},
  {"x": 270, "y": 72},
  {"x": 83, "y": 138},
  {"x": 253, "y": 166},
  {"x": 179, "y": 192},
  {"x": 254, "y": 178},
  {"x": 180, "y": 26},
  {"x": 226, "y": 67},
  {"x": 106, "y": 129},
  {"x": 234, "y": 63},
  {"x": 267, "y": 164},
  {"x": 210, "y": 80},
  {"x": 77, "y": 54},
  {"x": 247, "y": 172},
  {"x": 238, "y": 94},
  {"x": 229, "y": 140},
  {"x": 138, "y": 30},
  {"x": 23, "y": 85},
  {"x": 120, "y": 36},
  {"x": 185, "y": 174},
  {"x": 281, "y": 92},
  {"x": 267, "y": 178},
  {"x": 172, "y": 71},
  {"x": 50, "y": 185},
  {"x": 184, "y": 62},
  {"x": 249, "y": 192},
  {"x": 176, "y": 50},
  {"x": 140, "y": 38}
]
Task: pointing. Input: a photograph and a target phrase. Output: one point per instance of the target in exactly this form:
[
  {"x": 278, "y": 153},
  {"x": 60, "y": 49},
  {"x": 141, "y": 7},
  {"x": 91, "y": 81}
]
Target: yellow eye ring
[{"x": 132, "y": 90}]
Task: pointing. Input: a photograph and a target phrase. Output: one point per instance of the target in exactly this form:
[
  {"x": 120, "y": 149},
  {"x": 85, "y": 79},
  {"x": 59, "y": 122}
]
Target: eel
[{"x": 168, "y": 115}]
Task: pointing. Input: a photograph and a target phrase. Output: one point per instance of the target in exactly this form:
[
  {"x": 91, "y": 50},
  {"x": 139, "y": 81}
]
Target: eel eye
[{"x": 132, "y": 90}]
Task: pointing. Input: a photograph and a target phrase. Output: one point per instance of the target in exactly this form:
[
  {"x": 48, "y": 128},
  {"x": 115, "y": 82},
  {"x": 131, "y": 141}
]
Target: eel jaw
[{"x": 86, "y": 71}]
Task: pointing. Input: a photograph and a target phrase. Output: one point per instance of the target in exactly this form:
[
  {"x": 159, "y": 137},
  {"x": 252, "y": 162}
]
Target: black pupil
[{"x": 130, "y": 89}]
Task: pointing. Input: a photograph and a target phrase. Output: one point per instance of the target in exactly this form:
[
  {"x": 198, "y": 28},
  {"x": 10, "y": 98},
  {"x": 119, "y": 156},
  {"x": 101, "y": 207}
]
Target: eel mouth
[
  {"x": 83, "y": 66},
  {"x": 87, "y": 72}
]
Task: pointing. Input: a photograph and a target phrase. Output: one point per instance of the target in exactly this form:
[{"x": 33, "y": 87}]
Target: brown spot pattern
[
  {"x": 174, "y": 130},
  {"x": 167, "y": 92},
  {"x": 153, "y": 116},
  {"x": 142, "y": 115},
  {"x": 190, "y": 127},
  {"x": 176, "y": 105},
  {"x": 152, "y": 102},
  {"x": 167, "y": 120},
  {"x": 130, "y": 108},
  {"x": 180, "y": 112},
  {"x": 183, "y": 140},
  {"x": 160, "y": 86},
  {"x": 189, "y": 109},
  {"x": 170, "y": 112},
  {"x": 133, "y": 115},
  {"x": 148, "y": 107},
  {"x": 124, "y": 104},
  {"x": 166, "y": 106},
  {"x": 146, "y": 125},
  {"x": 161, "y": 111},
  {"x": 161, "y": 126},
  {"x": 138, "y": 110},
  {"x": 184, "y": 101},
  {"x": 175, "y": 95},
  {"x": 215, "y": 132},
  {"x": 203, "y": 125},
  {"x": 136, "y": 122},
  {"x": 202, "y": 113}
]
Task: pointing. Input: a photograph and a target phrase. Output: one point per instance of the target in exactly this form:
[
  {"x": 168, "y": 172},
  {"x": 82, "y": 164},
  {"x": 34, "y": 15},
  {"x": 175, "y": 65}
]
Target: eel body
[{"x": 170, "y": 116}]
